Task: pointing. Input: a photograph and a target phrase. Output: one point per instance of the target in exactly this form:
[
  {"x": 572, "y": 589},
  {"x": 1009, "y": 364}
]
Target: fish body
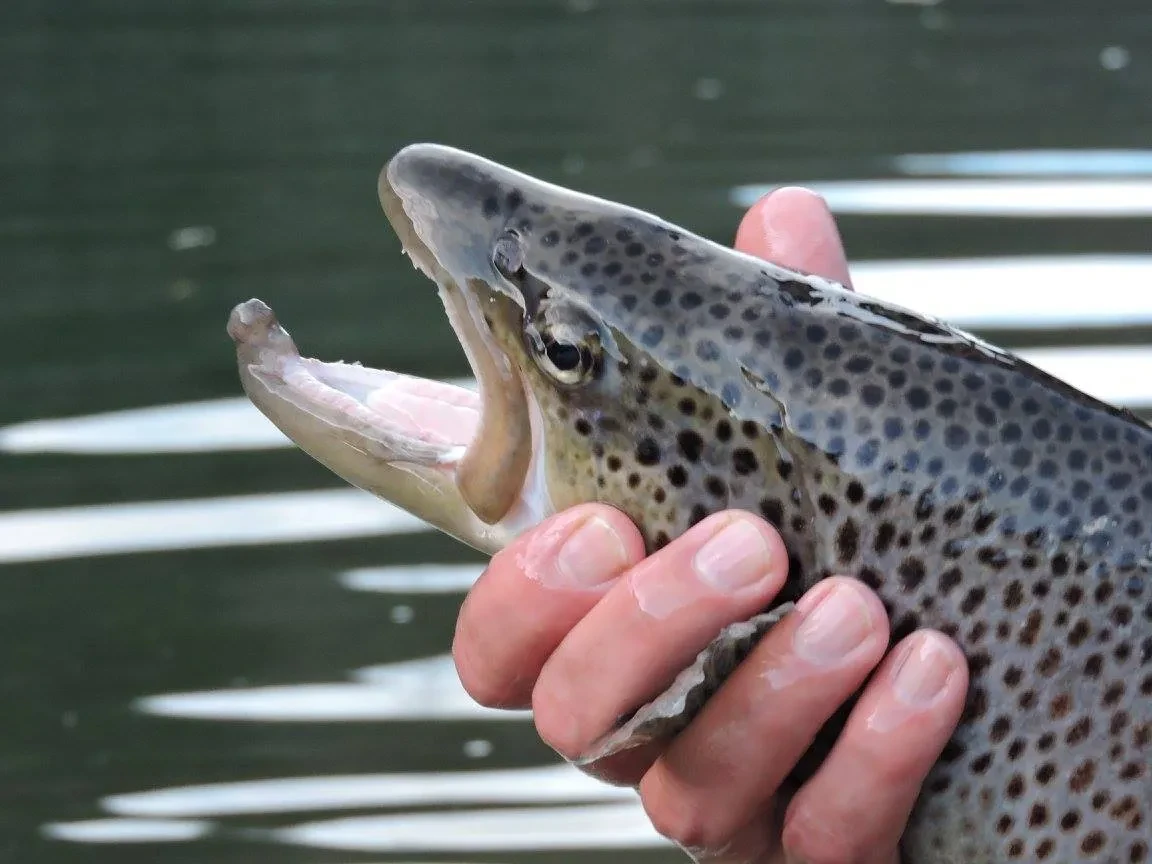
[{"x": 624, "y": 359}]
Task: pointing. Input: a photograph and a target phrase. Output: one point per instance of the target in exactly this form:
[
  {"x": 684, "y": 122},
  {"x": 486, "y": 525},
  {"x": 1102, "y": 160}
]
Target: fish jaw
[{"x": 399, "y": 437}]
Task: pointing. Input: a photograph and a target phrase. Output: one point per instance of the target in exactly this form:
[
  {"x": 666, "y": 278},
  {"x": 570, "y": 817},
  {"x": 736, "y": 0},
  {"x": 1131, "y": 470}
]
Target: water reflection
[
  {"x": 1008, "y": 186},
  {"x": 418, "y": 578},
  {"x": 550, "y": 784},
  {"x": 129, "y": 830},
  {"x": 1032, "y": 199},
  {"x": 1023, "y": 163},
  {"x": 424, "y": 689},
  {"x": 535, "y": 829},
  {"x": 244, "y": 520}
]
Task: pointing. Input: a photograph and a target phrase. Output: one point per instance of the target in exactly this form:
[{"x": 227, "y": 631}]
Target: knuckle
[
  {"x": 480, "y": 679},
  {"x": 556, "y": 722},
  {"x": 483, "y": 690},
  {"x": 684, "y": 823},
  {"x": 816, "y": 839}
]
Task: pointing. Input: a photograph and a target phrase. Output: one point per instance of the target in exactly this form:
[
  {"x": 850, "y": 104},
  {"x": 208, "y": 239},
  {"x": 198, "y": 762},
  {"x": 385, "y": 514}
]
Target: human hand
[{"x": 572, "y": 620}]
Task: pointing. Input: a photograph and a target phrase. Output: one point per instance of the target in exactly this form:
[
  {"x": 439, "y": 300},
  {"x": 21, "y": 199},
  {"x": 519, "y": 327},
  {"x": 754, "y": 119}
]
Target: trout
[{"x": 626, "y": 360}]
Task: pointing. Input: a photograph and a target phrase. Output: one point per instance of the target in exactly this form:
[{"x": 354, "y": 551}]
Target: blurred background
[{"x": 211, "y": 648}]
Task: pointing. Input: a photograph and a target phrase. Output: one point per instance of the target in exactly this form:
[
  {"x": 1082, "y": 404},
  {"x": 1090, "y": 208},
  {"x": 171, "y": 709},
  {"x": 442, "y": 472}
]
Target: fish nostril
[{"x": 508, "y": 256}]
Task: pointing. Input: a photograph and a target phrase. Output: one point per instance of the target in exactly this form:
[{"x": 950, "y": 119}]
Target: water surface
[{"x": 213, "y": 650}]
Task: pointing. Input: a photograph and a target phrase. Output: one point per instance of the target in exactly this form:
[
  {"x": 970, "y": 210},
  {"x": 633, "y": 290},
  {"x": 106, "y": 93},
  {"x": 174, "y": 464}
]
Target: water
[{"x": 213, "y": 650}]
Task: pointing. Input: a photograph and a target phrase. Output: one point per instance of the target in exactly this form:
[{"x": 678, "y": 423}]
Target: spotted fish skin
[{"x": 975, "y": 493}]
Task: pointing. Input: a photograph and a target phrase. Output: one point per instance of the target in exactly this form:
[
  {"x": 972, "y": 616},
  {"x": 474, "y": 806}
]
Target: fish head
[{"x": 558, "y": 300}]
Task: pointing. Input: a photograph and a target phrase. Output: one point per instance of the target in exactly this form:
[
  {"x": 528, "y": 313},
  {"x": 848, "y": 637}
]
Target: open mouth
[
  {"x": 396, "y": 417},
  {"x": 460, "y": 459}
]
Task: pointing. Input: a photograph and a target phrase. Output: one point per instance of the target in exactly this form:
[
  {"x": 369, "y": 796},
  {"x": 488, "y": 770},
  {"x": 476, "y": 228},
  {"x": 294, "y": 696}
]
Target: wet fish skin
[{"x": 672, "y": 378}]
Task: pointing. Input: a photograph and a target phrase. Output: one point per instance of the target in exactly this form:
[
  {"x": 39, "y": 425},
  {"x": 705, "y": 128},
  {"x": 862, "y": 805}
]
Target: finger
[
  {"x": 856, "y": 806},
  {"x": 794, "y": 228},
  {"x": 652, "y": 624},
  {"x": 723, "y": 772},
  {"x": 531, "y": 595}
]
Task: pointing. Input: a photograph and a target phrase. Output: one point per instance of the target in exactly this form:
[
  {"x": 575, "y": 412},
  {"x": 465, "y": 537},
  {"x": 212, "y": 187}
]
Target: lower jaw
[{"x": 369, "y": 427}]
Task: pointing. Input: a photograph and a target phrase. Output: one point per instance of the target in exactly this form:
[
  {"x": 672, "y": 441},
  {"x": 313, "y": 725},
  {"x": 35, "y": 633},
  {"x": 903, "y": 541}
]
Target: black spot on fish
[
  {"x": 744, "y": 461},
  {"x": 847, "y": 542},
  {"x": 647, "y": 452},
  {"x": 918, "y": 398},
  {"x": 691, "y": 445}
]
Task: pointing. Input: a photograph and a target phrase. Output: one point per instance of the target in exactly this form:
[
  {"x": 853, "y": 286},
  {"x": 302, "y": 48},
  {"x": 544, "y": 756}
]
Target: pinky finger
[{"x": 856, "y": 806}]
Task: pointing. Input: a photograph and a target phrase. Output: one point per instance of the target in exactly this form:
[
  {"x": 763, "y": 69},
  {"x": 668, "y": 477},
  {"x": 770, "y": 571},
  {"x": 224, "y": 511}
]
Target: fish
[{"x": 623, "y": 359}]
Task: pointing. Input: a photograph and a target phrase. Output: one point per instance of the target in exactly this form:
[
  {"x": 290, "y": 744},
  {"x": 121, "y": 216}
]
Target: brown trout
[{"x": 623, "y": 359}]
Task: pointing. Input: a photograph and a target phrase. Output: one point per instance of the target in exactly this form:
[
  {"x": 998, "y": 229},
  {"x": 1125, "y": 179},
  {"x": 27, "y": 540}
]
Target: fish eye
[
  {"x": 508, "y": 256},
  {"x": 568, "y": 361}
]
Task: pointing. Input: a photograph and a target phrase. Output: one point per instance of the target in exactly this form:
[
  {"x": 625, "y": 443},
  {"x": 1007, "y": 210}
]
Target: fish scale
[{"x": 974, "y": 493}]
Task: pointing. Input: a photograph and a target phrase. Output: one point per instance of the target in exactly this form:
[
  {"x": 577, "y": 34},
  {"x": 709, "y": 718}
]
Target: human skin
[{"x": 573, "y": 621}]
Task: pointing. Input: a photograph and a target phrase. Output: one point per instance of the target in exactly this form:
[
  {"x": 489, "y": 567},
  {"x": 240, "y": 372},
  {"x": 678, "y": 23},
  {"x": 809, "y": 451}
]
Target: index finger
[{"x": 794, "y": 228}]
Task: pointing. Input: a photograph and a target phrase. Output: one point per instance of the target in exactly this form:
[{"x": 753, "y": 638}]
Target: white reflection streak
[
  {"x": 424, "y": 689},
  {"x": 547, "y": 785},
  {"x": 1024, "y": 163},
  {"x": 610, "y": 826},
  {"x": 1035, "y": 199},
  {"x": 128, "y": 831},
  {"x": 110, "y": 529},
  {"x": 1018, "y": 292},
  {"x": 206, "y": 426},
  {"x": 1120, "y": 375},
  {"x": 414, "y": 579}
]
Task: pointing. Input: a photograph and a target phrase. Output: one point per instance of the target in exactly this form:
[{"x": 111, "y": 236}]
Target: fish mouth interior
[{"x": 399, "y": 418}]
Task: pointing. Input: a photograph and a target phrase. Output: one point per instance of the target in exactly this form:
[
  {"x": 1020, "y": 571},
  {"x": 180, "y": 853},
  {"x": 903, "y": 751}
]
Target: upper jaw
[
  {"x": 447, "y": 245},
  {"x": 396, "y": 208}
]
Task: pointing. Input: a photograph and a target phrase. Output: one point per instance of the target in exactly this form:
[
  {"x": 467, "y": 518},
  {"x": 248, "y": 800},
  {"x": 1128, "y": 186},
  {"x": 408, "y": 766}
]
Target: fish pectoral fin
[{"x": 670, "y": 712}]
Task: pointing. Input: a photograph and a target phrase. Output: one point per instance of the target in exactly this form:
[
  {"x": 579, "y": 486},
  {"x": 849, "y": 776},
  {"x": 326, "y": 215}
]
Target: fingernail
[
  {"x": 923, "y": 672},
  {"x": 592, "y": 555},
  {"x": 839, "y": 622},
  {"x": 735, "y": 558}
]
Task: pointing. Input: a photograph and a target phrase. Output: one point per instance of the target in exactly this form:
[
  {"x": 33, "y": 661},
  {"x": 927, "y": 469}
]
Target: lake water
[{"x": 211, "y": 649}]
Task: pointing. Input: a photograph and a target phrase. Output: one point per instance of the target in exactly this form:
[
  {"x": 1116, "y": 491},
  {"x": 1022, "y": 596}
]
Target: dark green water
[{"x": 124, "y": 121}]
